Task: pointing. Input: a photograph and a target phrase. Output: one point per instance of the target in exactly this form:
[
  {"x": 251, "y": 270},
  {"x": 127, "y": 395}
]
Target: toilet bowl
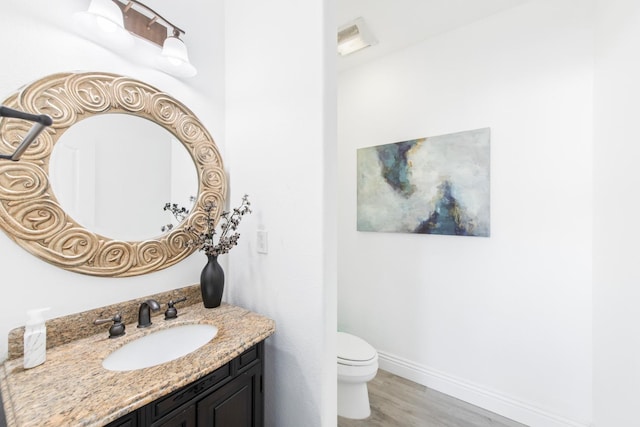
[{"x": 357, "y": 365}]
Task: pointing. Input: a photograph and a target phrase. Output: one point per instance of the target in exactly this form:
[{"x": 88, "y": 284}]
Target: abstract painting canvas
[{"x": 434, "y": 185}]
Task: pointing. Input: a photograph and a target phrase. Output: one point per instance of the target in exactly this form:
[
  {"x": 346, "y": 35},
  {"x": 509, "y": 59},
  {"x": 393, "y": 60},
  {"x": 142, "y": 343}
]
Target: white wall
[
  {"x": 281, "y": 120},
  {"x": 503, "y": 322},
  {"x": 42, "y": 42},
  {"x": 281, "y": 144},
  {"x": 616, "y": 275}
]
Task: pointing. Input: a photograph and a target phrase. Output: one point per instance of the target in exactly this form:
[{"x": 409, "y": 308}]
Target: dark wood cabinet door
[
  {"x": 235, "y": 405},
  {"x": 185, "y": 417}
]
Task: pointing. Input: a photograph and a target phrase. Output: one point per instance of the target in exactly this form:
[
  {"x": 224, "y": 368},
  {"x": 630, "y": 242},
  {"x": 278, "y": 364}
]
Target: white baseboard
[{"x": 506, "y": 406}]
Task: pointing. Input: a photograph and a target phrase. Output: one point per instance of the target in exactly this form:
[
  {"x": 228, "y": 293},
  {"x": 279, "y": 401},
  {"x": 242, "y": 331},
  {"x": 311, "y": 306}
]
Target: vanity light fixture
[
  {"x": 112, "y": 23},
  {"x": 104, "y": 24},
  {"x": 174, "y": 58},
  {"x": 107, "y": 15},
  {"x": 354, "y": 36},
  {"x": 40, "y": 122}
]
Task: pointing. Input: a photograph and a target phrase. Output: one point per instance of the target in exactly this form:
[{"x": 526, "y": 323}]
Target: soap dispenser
[{"x": 35, "y": 339}]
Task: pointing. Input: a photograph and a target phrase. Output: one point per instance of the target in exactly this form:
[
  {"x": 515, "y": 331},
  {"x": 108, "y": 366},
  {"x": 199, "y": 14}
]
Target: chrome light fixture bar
[{"x": 112, "y": 22}]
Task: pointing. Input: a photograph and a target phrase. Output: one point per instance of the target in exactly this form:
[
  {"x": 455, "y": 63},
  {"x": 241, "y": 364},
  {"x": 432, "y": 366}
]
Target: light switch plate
[{"x": 262, "y": 242}]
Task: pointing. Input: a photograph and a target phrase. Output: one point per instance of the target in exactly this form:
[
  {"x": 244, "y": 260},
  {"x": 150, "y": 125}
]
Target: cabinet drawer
[
  {"x": 185, "y": 417},
  {"x": 129, "y": 420},
  {"x": 246, "y": 358},
  {"x": 184, "y": 395}
]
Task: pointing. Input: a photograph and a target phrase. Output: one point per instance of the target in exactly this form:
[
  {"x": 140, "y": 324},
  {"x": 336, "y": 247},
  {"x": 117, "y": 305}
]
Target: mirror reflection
[{"x": 113, "y": 174}]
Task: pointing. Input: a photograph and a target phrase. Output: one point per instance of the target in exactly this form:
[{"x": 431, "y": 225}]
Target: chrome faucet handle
[
  {"x": 117, "y": 329},
  {"x": 172, "y": 312}
]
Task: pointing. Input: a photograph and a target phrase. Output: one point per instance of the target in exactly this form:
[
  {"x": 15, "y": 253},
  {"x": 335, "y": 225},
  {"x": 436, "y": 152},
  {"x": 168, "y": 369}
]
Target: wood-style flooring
[{"x": 398, "y": 402}]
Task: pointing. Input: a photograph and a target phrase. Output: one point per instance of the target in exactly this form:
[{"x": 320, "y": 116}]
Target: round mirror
[
  {"x": 33, "y": 216},
  {"x": 113, "y": 174}
]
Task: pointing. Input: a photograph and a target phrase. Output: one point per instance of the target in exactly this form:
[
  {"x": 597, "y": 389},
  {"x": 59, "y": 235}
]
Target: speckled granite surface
[
  {"x": 73, "y": 389},
  {"x": 63, "y": 330}
]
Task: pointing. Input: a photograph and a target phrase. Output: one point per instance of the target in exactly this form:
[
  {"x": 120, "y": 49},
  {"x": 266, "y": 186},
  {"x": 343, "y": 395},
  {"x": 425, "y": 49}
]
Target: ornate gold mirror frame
[{"x": 29, "y": 211}]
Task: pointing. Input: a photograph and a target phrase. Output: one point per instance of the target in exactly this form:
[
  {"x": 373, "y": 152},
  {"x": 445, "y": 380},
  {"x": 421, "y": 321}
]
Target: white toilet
[{"x": 357, "y": 364}]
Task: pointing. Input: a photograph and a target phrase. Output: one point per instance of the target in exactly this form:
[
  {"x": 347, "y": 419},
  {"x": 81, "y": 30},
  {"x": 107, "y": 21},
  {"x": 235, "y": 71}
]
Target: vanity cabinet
[{"x": 230, "y": 396}]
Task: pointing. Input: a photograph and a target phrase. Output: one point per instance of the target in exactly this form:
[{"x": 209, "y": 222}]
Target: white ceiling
[{"x": 399, "y": 23}]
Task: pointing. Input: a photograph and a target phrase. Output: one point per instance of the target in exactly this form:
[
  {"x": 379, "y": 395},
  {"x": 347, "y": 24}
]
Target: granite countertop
[{"x": 73, "y": 389}]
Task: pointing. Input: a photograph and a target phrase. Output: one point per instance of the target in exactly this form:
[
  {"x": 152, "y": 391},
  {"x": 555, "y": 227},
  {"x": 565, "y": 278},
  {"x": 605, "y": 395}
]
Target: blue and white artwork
[{"x": 434, "y": 185}]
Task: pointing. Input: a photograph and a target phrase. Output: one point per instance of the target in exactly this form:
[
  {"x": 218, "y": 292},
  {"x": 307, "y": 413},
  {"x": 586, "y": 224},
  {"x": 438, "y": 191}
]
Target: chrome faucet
[{"x": 144, "y": 315}]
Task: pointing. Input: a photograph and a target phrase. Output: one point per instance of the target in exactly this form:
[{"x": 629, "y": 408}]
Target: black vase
[{"x": 212, "y": 283}]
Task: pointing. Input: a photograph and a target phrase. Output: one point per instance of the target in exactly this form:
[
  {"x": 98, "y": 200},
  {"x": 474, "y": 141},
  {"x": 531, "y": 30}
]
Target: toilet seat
[{"x": 354, "y": 351}]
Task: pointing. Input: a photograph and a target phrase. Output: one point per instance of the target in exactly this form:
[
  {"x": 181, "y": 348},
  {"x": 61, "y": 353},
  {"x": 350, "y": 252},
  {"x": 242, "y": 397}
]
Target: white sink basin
[{"x": 159, "y": 347}]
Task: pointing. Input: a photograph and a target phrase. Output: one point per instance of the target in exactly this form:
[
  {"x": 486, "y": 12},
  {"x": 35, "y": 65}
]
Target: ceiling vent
[{"x": 354, "y": 36}]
